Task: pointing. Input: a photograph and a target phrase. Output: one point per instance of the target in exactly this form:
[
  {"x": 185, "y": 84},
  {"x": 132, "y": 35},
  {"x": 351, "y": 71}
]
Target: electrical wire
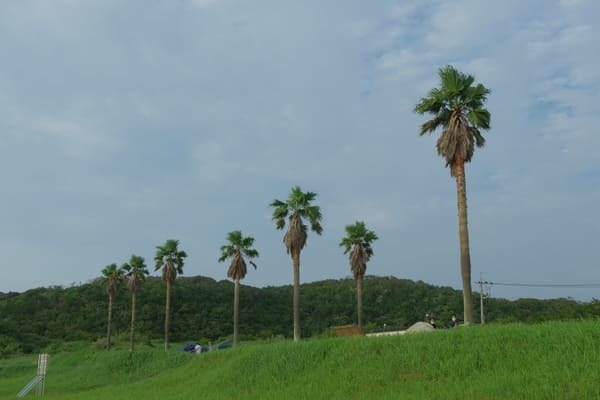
[{"x": 545, "y": 285}]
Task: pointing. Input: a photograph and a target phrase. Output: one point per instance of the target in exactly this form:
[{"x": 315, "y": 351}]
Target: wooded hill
[{"x": 202, "y": 310}]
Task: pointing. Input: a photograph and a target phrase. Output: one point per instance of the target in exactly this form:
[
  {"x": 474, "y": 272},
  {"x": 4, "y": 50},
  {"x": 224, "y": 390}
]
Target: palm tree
[
  {"x": 170, "y": 259},
  {"x": 136, "y": 272},
  {"x": 358, "y": 242},
  {"x": 112, "y": 278},
  {"x": 297, "y": 206},
  {"x": 236, "y": 249},
  {"x": 457, "y": 107}
]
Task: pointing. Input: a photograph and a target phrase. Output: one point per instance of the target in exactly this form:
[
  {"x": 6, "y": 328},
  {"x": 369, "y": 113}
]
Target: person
[
  {"x": 432, "y": 323},
  {"x": 453, "y": 322}
]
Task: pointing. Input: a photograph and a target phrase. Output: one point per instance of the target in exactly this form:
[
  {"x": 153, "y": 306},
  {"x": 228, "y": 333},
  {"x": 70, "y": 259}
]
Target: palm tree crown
[
  {"x": 358, "y": 242},
  {"x": 136, "y": 272},
  {"x": 297, "y": 206},
  {"x": 238, "y": 247},
  {"x": 112, "y": 278},
  {"x": 457, "y": 107},
  {"x": 169, "y": 257}
]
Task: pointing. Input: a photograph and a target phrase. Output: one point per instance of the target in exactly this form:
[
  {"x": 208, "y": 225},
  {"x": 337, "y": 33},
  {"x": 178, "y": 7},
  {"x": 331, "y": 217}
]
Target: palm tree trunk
[
  {"x": 359, "y": 300},
  {"x": 236, "y": 312},
  {"x": 132, "y": 328},
  {"x": 110, "y": 302},
  {"x": 463, "y": 234},
  {"x": 296, "y": 296},
  {"x": 167, "y": 308}
]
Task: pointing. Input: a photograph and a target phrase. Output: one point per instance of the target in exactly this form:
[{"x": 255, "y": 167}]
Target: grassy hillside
[
  {"x": 545, "y": 361},
  {"x": 44, "y": 318}
]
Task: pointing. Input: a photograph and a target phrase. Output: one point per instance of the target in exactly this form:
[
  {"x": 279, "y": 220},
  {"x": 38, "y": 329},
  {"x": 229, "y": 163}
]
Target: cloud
[
  {"x": 73, "y": 132},
  {"x": 186, "y": 118},
  {"x": 201, "y": 3}
]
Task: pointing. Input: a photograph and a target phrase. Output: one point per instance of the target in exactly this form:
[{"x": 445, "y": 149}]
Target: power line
[
  {"x": 488, "y": 285},
  {"x": 544, "y": 285}
]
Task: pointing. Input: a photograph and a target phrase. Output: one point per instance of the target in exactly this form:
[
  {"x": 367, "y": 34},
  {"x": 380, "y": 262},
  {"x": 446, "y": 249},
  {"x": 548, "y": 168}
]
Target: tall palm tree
[
  {"x": 170, "y": 259},
  {"x": 112, "y": 278},
  {"x": 237, "y": 247},
  {"x": 358, "y": 242},
  {"x": 457, "y": 106},
  {"x": 136, "y": 272},
  {"x": 297, "y": 206}
]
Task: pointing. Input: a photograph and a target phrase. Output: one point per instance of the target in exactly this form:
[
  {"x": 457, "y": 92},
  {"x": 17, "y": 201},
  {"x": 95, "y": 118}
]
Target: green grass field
[{"x": 559, "y": 360}]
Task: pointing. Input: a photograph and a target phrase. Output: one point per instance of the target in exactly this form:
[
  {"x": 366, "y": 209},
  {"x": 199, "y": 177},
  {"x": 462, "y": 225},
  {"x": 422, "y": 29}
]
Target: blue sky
[{"x": 123, "y": 124}]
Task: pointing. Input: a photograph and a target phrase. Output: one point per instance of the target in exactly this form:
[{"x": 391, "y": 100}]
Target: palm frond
[
  {"x": 450, "y": 80},
  {"x": 479, "y": 139},
  {"x": 479, "y": 118},
  {"x": 431, "y": 104},
  {"x": 313, "y": 213},
  {"x": 280, "y": 212},
  {"x": 227, "y": 251},
  {"x": 278, "y": 204},
  {"x": 158, "y": 263},
  {"x": 250, "y": 253},
  {"x": 346, "y": 243},
  {"x": 309, "y": 196},
  {"x": 433, "y": 124},
  {"x": 368, "y": 251},
  {"x": 234, "y": 237},
  {"x": 247, "y": 242},
  {"x": 179, "y": 265},
  {"x": 476, "y": 96}
]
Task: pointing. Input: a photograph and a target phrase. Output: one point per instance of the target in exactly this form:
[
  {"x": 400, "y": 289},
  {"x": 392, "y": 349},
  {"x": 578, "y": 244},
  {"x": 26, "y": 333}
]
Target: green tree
[
  {"x": 237, "y": 247},
  {"x": 358, "y": 242},
  {"x": 297, "y": 206},
  {"x": 112, "y": 277},
  {"x": 170, "y": 259},
  {"x": 457, "y": 107},
  {"x": 136, "y": 272}
]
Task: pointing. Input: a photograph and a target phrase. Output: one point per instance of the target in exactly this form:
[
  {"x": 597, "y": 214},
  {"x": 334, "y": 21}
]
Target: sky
[{"x": 124, "y": 124}]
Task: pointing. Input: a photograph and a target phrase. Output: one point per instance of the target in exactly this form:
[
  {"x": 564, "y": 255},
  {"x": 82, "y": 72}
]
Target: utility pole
[{"x": 481, "y": 298}]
